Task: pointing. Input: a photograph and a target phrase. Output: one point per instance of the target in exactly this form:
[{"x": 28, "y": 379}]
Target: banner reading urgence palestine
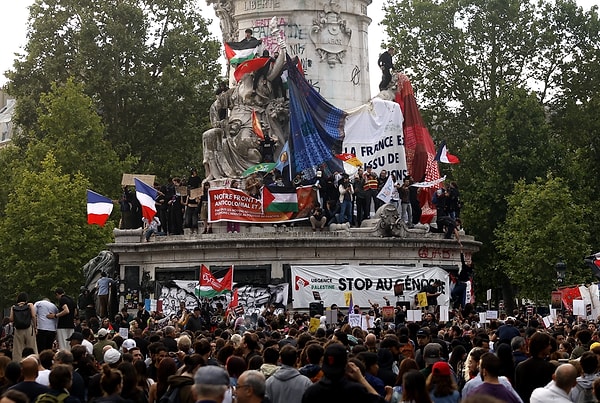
[
  {"x": 229, "y": 204},
  {"x": 365, "y": 282}
]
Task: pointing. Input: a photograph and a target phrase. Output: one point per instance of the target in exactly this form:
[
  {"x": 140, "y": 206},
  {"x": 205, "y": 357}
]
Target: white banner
[
  {"x": 329, "y": 283},
  {"x": 373, "y": 132},
  {"x": 429, "y": 184},
  {"x": 252, "y": 298}
]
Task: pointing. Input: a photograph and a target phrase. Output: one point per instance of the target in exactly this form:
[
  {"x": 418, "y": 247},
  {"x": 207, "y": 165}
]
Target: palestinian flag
[
  {"x": 210, "y": 287},
  {"x": 238, "y": 52},
  {"x": 279, "y": 199}
]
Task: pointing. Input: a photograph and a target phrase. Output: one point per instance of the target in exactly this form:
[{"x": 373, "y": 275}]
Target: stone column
[{"x": 329, "y": 36}]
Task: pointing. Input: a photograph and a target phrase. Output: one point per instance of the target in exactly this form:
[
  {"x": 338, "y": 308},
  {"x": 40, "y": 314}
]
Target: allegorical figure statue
[{"x": 231, "y": 146}]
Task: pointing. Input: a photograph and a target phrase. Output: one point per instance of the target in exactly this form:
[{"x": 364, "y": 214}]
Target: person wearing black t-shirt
[
  {"x": 386, "y": 65},
  {"x": 66, "y": 318}
]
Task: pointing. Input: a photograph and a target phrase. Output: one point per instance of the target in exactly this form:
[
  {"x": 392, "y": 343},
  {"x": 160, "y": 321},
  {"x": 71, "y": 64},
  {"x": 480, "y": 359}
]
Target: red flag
[
  {"x": 299, "y": 65},
  {"x": 418, "y": 145},
  {"x": 256, "y": 126},
  {"x": 350, "y": 159},
  {"x": 250, "y": 66},
  {"x": 233, "y": 303},
  {"x": 210, "y": 287},
  {"x": 234, "y": 299},
  {"x": 568, "y": 295}
]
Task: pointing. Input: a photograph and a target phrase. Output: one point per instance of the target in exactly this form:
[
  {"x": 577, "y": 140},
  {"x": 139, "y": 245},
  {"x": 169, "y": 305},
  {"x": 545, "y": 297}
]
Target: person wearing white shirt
[
  {"x": 557, "y": 391},
  {"x": 46, "y": 328}
]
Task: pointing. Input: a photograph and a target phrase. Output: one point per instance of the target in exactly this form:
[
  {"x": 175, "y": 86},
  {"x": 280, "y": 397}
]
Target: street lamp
[{"x": 561, "y": 271}]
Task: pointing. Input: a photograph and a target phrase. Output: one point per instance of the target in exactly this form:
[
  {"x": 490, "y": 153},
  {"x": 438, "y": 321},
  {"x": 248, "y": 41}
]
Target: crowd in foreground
[{"x": 275, "y": 358}]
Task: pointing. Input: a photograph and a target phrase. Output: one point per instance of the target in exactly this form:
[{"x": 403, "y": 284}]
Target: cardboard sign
[
  {"x": 127, "y": 179},
  {"x": 422, "y": 298},
  {"x": 355, "y": 319}
]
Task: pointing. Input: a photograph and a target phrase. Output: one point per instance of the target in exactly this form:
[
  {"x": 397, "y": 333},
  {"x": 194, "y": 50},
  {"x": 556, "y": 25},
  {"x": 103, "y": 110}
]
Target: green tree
[
  {"x": 44, "y": 236},
  {"x": 70, "y": 126},
  {"x": 544, "y": 224},
  {"x": 149, "y": 66},
  {"x": 463, "y": 54}
]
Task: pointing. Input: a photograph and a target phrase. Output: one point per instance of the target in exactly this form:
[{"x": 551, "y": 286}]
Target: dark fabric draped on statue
[{"x": 316, "y": 127}]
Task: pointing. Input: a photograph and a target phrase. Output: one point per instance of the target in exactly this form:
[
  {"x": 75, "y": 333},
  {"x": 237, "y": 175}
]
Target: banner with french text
[
  {"x": 229, "y": 204},
  {"x": 328, "y": 284},
  {"x": 374, "y": 135}
]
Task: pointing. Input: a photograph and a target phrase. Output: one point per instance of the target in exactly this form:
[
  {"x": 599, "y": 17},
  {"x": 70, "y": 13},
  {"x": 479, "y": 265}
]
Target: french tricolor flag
[
  {"x": 98, "y": 208},
  {"x": 444, "y": 156},
  {"x": 146, "y": 195}
]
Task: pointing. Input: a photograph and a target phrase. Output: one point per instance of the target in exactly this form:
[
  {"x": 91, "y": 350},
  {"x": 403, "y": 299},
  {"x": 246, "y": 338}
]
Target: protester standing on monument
[
  {"x": 346, "y": 191},
  {"x": 233, "y": 226},
  {"x": 248, "y": 35},
  {"x": 386, "y": 65},
  {"x": 204, "y": 208}
]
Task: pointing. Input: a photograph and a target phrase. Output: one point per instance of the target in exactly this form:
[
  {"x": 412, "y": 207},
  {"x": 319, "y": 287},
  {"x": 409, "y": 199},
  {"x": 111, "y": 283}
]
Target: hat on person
[
  {"x": 424, "y": 332},
  {"x": 128, "y": 344},
  {"x": 102, "y": 333},
  {"x": 594, "y": 345},
  {"x": 441, "y": 368},
  {"x": 432, "y": 353},
  {"x": 112, "y": 356},
  {"x": 334, "y": 361},
  {"x": 211, "y": 375},
  {"x": 75, "y": 336}
]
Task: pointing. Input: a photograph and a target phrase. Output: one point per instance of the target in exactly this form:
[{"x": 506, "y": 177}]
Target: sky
[{"x": 13, "y": 30}]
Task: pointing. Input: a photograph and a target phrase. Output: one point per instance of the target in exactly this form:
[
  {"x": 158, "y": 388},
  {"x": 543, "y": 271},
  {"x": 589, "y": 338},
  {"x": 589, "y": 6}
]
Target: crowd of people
[
  {"x": 61, "y": 355},
  {"x": 341, "y": 199}
]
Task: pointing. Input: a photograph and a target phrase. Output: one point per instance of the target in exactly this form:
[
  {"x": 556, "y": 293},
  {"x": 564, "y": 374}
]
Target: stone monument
[{"x": 328, "y": 36}]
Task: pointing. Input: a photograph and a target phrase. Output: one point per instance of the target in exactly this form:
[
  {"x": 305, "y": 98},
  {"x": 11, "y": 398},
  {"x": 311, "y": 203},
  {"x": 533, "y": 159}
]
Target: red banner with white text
[{"x": 229, "y": 204}]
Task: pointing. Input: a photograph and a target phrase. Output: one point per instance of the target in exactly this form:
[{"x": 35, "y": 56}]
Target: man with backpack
[{"x": 22, "y": 315}]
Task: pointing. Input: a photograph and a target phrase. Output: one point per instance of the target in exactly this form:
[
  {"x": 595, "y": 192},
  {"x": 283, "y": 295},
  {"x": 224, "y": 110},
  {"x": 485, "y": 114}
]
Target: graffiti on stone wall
[
  {"x": 294, "y": 34},
  {"x": 355, "y": 77},
  {"x": 252, "y": 298}
]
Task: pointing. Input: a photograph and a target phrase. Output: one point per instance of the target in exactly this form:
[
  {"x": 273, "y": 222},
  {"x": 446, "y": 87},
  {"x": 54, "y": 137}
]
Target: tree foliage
[
  {"x": 466, "y": 53},
  {"x": 506, "y": 150},
  {"x": 544, "y": 224},
  {"x": 512, "y": 86},
  {"x": 149, "y": 66},
  {"x": 44, "y": 236},
  {"x": 70, "y": 127}
]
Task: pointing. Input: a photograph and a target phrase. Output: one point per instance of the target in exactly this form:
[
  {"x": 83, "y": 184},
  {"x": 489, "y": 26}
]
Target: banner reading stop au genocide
[{"x": 365, "y": 282}]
